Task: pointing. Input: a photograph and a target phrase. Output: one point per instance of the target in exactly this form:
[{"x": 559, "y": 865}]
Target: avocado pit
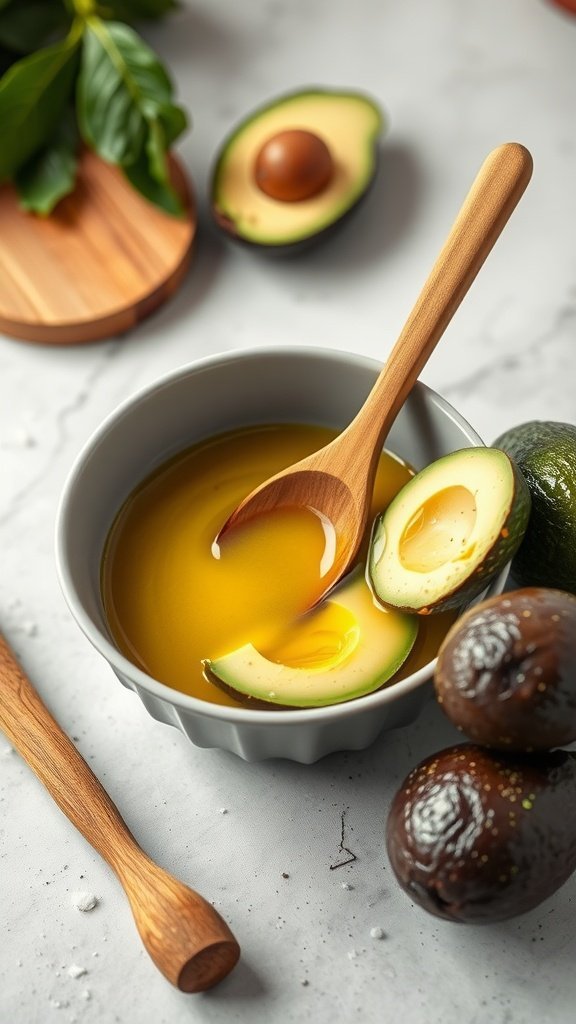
[{"x": 293, "y": 165}]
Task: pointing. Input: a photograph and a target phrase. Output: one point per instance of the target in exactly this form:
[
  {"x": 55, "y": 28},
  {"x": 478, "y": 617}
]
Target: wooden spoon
[
  {"x": 338, "y": 480},
  {"x": 186, "y": 938}
]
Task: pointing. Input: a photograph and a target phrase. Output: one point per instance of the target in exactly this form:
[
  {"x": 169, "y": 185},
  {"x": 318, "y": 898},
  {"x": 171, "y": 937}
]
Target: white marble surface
[{"x": 456, "y": 79}]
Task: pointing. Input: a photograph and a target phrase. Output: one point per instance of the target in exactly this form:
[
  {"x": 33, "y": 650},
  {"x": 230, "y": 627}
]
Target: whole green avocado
[{"x": 545, "y": 452}]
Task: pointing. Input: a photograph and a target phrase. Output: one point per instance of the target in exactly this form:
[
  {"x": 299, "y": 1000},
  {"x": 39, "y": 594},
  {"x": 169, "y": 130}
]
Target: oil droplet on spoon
[{"x": 329, "y": 554}]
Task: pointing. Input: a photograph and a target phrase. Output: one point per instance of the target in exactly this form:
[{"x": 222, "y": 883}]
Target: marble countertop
[{"x": 456, "y": 79}]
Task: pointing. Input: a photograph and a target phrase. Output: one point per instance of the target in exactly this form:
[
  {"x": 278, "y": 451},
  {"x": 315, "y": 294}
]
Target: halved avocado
[
  {"x": 449, "y": 530},
  {"x": 296, "y": 167},
  {"x": 344, "y": 649}
]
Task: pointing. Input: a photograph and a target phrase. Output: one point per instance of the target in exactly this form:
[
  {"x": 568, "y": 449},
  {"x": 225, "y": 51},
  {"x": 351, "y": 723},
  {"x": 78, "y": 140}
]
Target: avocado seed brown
[{"x": 293, "y": 165}]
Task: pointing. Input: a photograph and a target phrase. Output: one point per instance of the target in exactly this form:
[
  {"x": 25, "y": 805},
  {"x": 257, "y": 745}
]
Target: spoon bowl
[
  {"x": 338, "y": 480},
  {"x": 322, "y": 490}
]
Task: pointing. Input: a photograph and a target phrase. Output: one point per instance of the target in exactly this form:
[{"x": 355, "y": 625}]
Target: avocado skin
[
  {"x": 546, "y": 455},
  {"x": 243, "y": 699},
  {"x": 475, "y": 836},
  {"x": 506, "y": 671},
  {"x": 518, "y": 441}
]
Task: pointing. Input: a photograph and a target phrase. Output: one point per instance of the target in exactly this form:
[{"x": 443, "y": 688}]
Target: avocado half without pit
[
  {"x": 451, "y": 529},
  {"x": 296, "y": 167}
]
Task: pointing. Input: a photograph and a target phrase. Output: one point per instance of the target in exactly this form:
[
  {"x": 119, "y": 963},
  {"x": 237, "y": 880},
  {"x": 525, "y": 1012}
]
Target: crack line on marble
[
  {"x": 61, "y": 419},
  {"x": 467, "y": 385},
  {"x": 83, "y": 395}
]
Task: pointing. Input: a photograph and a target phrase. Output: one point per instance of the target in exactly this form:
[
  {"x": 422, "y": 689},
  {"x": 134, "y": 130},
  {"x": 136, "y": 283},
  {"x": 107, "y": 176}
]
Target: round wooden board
[{"x": 100, "y": 263}]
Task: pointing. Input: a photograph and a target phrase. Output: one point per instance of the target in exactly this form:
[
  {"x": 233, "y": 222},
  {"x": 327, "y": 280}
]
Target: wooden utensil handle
[
  {"x": 55, "y": 760},
  {"x": 493, "y": 196},
  {"x": 185, "y": 936}
]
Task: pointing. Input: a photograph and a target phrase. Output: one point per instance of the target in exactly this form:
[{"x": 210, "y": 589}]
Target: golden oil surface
[{"x": 171, "y": 602}]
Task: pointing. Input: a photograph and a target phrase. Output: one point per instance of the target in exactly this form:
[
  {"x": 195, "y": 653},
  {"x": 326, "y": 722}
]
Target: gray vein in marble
[
  {"x": 79, "y": 400},
  {"x": 492, "y": 375},
  {"x": 62, "y": 417}
]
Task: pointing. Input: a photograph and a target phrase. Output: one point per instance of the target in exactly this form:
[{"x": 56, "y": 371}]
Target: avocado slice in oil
[
  {"x": 295, "y": 135},
  {"x": 449, "y": 531},
  {"x": 344, "y": 649}
]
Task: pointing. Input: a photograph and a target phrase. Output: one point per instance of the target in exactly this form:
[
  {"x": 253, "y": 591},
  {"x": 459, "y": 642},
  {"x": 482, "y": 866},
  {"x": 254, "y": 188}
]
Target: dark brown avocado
[
  {"x": 506, "y": 671},
  {"x": 476, "y": 836}
]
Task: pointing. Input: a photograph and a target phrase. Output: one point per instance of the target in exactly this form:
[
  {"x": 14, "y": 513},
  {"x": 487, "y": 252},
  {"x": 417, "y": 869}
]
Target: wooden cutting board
[{"x": 100, "y": 263}]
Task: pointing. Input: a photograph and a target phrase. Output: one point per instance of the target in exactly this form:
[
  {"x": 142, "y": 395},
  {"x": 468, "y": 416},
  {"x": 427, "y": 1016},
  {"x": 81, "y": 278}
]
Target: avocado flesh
[
  {"x": 376, "y": 644},
  {"x": 349, "y": 124},
  {"x": 546, "y": 455},
  {"x": 450, "y": 529}
]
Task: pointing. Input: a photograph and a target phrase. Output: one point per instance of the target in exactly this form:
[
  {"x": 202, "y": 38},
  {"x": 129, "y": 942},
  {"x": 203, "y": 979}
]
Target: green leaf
[
  {"x": 156, "y": 153},
  {"x": 7, "y": 59},
  {"x": 123, "y": 93},
  {"x": 33, "y": 93},
  {"x": 27, "y": 24},
  {"x": 161, "y": 193},
  {"x": 51, "y": 173},
  {"x": 130, "y": 10},
  {"x": 174, "y": 121}
]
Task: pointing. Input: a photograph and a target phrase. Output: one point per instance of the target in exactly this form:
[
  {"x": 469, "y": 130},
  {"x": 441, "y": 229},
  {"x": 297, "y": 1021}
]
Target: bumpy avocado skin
[
  {"x": 520, "y": 440},
  {"x": 546, "y": 455},
  {"x": 475, "y": 836},
  {"x": 506, "y": 671}
]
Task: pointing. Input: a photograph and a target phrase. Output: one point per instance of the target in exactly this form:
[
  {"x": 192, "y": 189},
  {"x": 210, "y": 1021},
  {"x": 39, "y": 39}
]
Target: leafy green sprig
[{"x": 74, "y": 70}]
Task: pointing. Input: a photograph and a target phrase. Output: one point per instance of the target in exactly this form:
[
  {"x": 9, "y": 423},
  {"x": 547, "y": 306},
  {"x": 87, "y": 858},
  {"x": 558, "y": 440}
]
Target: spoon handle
[
  {"x": 492, "y": 198},
  {"x": 187, "y": 939}
]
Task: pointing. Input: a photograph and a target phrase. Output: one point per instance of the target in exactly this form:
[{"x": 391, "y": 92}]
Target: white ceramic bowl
[{"x": 264, "y": 385}]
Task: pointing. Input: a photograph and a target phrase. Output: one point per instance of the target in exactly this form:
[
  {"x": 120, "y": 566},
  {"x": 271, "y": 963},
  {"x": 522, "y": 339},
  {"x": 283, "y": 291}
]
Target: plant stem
[{"x": 84, "y": 8}]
